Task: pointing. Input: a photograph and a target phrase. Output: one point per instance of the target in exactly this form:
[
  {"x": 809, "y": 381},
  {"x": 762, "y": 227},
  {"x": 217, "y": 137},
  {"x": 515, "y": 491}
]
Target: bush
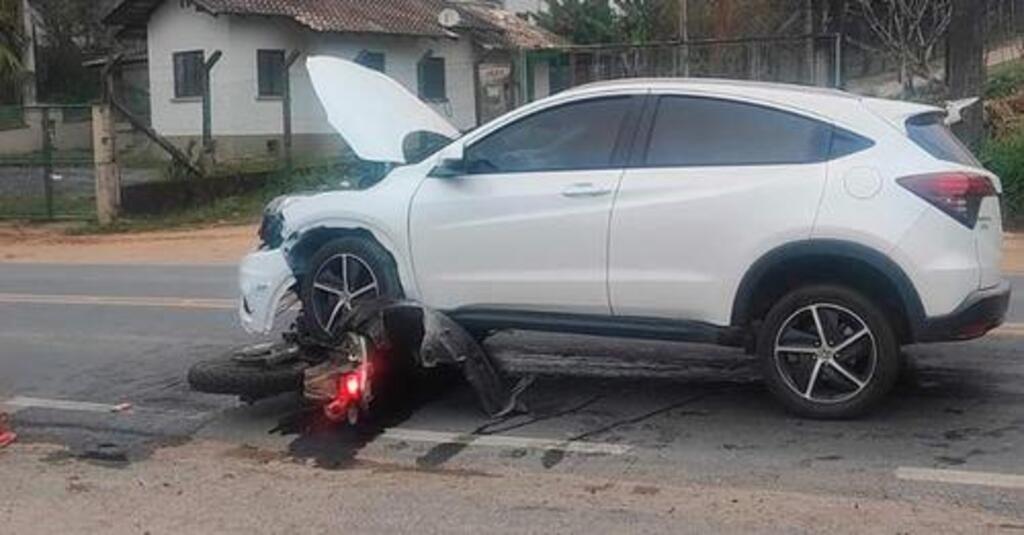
[
  {"x": 1005, "y": 157},
  {"x": 1005, "y": 80}
]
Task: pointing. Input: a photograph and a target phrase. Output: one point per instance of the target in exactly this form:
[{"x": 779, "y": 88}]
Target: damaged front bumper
[{"x": 267, "y": 287}]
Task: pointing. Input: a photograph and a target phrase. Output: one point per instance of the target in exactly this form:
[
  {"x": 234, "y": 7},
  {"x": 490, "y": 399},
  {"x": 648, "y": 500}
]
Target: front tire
[
  {"x": 828, "y": 352},
  {"x": 343, "y": 273}
]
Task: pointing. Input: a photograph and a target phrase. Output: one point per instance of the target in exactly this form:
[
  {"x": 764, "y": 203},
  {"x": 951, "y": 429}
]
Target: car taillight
[{"x": 959, "y": 195}]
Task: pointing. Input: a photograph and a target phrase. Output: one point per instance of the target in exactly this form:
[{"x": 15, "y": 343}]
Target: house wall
[
  {"x": 245, "y": 124},
  {"x": 27, "y": 139}
]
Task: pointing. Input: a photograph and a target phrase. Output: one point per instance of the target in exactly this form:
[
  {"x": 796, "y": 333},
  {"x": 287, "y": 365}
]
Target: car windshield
[{"x": 929, "y": 131}]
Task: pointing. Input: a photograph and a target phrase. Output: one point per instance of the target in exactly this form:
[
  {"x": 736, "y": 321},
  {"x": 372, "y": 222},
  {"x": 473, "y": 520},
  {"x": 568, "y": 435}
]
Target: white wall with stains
[{"x": 238, "y": 110}]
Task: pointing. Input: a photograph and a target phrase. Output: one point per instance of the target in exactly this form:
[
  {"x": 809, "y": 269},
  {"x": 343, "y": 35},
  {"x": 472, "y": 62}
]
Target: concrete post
[{"x": 108, "y": 174}]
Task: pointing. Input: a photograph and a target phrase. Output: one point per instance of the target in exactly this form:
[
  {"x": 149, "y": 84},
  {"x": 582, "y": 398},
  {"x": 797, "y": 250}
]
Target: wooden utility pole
[
  {"x": 207, "y": 104},
  {"x": 965, "y": 65},
  {"x": 47, "y": 148},
  {"x": 286, "y": 111}
]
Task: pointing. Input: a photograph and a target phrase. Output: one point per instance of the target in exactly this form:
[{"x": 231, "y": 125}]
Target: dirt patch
[
  {"x": 1013, "y": 247},
  {"x": 201, "y": 488},
  {"x": 51, "y": 244}
]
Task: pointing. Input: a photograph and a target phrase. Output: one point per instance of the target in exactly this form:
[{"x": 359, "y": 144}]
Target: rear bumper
[{"x": 981, "y": 312}]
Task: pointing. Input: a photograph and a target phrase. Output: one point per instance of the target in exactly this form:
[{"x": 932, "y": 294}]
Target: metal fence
[
  {"x": 46, "y": 162},
  {"x": 810, "y": 60},
  {"x": 47, "y": 167}
]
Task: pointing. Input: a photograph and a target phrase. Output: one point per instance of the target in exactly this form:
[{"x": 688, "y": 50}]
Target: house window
[
  {"x": 188, "y": 74},
  {"x": 371, "y": 60},
  {"x": 270, "y": 72},
  {"x": 432, "y": 80}
]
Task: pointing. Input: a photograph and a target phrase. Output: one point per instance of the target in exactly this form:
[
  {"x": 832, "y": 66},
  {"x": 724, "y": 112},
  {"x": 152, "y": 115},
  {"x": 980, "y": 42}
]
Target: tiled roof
[
  {"x": 396, "y": 17},
  {"x": 504, "y": 29},
  {"x": 403, "y": 17}
]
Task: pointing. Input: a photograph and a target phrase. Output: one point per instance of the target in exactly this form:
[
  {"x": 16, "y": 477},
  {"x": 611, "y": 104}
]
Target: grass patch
[
  {"x": 1005, "y": 80},
  {"x": 238, "y": 209},
  {"x": 34, "y": 207},
  {"x": 1005, "y": 157}
]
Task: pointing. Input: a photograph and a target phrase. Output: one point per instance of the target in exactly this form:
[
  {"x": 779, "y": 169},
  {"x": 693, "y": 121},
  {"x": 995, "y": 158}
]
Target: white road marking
[
  {"x": 962, "y": 477},
  {"x": 504, "y": 441},
  {"x": 108, "y": 300},
  {"x": 17, "y": 403},
  {"x": 21, "y": 402}
]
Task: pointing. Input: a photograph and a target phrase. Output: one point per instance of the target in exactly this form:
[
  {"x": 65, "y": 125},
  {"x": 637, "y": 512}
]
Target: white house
[{"x": 459, "y": 56}]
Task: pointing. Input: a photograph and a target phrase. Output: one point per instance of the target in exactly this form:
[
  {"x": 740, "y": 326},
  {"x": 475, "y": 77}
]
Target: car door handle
[{"x": 584, "y": 189}]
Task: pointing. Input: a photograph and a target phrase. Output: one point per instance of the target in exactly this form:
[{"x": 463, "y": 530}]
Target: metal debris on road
[
  {"x": 7, "y": 437},
  {"x": 121, "y": 407}
]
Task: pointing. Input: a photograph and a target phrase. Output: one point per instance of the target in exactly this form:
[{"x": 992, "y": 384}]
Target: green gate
[{"x": 46, "y": 162}]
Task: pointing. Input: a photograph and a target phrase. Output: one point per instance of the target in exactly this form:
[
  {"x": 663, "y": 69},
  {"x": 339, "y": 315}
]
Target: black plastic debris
[{"x": 431, "y": 339}]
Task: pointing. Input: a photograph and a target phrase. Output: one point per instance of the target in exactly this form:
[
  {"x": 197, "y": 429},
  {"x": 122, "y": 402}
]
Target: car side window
[
  {"x": 579, "y": 135},
  {"x": 696, "y": 131}
]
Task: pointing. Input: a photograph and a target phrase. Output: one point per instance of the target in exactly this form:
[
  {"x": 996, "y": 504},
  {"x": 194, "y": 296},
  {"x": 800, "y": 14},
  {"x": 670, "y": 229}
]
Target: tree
[
  {"x": 581, "y": 21},
  {"x": 11, "y": 39},
  {"x": 965, "y": 63},
  {"x": 642, "y": 21},
  {"x": 72, "y": 31},
  {"x": 909, "y": 31}
]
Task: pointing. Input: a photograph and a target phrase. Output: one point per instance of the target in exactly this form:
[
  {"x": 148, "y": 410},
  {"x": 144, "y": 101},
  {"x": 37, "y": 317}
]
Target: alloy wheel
[
  {"x": 338, "y": 284},
  {"x": 826, "y": 353}
]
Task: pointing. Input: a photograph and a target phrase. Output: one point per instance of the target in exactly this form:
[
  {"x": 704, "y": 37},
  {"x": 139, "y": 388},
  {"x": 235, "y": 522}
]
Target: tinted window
[
  {"x": 845, "y": 143},
  {"x": 188, "y": 74},
  {"x": 930, "y": 133},
  {"x": 433, "y": 86},
  {"x": 580, "y": 135},
  {"x": 699, "y": 131},
  {"x": 371, "y": 60},
  {"x": 270, "y": 72},
  {"x": 418, "y": 145}
]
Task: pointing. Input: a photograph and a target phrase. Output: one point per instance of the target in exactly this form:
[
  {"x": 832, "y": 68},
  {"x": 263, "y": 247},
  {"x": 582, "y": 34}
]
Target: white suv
[{"x": 820, "y": 229}]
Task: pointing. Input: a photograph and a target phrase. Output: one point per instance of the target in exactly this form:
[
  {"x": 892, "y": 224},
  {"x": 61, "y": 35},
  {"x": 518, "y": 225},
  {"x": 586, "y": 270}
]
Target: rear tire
[{"x": 828, "y": 352}]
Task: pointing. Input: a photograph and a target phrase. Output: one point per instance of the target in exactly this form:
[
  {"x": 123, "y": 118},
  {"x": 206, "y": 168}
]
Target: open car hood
[{"x": 372, "y": 112}]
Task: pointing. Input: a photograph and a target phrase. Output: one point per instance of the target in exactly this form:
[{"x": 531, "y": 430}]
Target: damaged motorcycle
[{"x": 381, "y": 340}]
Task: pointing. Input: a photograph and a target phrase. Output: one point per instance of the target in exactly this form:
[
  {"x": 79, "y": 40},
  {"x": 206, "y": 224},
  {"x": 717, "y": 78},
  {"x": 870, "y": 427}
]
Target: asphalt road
[{"x": 75, "y": 341}]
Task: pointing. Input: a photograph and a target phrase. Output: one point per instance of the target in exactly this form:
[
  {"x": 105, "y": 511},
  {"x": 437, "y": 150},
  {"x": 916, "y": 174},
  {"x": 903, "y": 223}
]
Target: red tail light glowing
[
  {"x": 352, "y": 385},
  {"x": 958, "y": 195}
]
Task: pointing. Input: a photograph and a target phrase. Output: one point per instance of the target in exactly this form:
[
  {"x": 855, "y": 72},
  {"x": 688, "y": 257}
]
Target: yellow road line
[{"x": 105, "y": 300}]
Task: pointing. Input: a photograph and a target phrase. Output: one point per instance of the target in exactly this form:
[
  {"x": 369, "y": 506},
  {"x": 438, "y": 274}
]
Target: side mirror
[{"x": 449, "y": 168}]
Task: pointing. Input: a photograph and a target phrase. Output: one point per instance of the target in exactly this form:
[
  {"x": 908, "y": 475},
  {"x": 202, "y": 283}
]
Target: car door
[
  {"x": 526, "y": 226},
  {"x": 715, "y": 184}
]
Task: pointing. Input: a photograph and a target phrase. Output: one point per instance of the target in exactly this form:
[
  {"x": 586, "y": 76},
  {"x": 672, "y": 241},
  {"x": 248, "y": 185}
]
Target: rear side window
[
  {"x": 693, "y": 131},
  {"x": 845, "y": 143},
  {"x": 929, "y": 131}
]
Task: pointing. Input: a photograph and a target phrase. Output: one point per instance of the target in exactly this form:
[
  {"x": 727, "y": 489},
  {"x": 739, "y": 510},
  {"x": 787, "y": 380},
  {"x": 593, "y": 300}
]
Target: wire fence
[
  {"x": 810, "y": 60},
  {"x": 46, "y": 162}
]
